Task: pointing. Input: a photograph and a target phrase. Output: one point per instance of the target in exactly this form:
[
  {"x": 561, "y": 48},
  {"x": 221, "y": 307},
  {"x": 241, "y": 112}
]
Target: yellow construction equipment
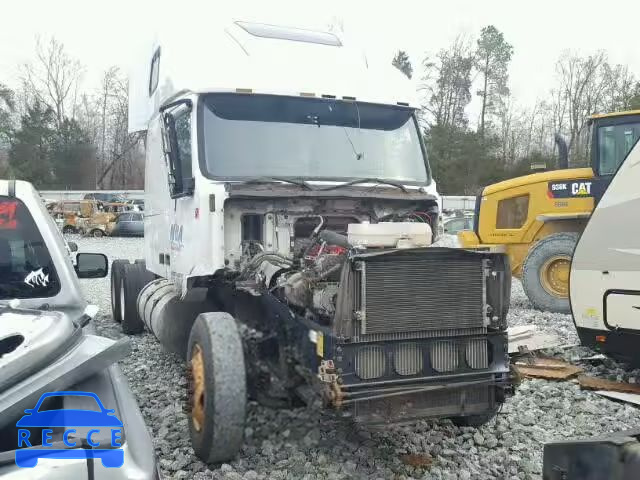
[{"x": 537, "y": 219}]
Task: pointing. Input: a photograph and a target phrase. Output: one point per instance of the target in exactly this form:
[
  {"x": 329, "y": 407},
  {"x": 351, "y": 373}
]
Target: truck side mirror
[{"x": 91, "y": 265}]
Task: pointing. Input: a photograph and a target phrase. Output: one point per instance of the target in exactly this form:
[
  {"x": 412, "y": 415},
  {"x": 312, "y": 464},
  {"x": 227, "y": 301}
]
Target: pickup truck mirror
[{"x": 91, "y": 265}]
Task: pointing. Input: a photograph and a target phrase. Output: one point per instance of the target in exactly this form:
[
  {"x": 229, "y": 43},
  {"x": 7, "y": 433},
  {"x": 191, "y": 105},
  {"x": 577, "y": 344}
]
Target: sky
[{"x": 101, "y": 34}]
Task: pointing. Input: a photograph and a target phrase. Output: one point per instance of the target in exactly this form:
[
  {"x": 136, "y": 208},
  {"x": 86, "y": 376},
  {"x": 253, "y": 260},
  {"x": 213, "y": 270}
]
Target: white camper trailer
[
  {"x": 288, "y": 189},
  {"x": 605, "y": 271}
]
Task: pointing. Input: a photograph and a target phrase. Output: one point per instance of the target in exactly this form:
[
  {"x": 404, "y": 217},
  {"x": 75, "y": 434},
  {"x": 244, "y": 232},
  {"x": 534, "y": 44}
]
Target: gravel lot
[{"x": 302, "y": 443}]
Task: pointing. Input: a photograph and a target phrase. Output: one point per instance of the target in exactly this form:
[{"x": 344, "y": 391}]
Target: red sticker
[{"x": 8, "y": 215}]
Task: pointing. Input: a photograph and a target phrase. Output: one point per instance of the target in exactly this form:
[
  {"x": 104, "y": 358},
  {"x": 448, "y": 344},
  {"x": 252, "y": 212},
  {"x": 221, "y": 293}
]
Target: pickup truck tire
[
  {"x": 117, "y": 266},
  {"x": 545, "y": 273},
  {"x": 68, "y": 229},
  {"x": 217, "y": 387},
  {"x": 96, "y": 232},
  {"x": 134, "y": 278}
]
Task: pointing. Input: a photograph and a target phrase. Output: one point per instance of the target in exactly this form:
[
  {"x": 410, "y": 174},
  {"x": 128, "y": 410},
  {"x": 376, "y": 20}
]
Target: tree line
[
  {"x": 507, "y": 138},
  {"x": 58, "y": 136}
]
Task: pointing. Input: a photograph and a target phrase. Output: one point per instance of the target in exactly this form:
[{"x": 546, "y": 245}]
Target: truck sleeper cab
[{"x": 288, "y": 224}]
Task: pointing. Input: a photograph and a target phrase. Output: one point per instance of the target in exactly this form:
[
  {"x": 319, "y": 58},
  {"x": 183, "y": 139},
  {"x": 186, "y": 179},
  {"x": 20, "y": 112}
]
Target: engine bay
[{"x": 296, "y": 249}]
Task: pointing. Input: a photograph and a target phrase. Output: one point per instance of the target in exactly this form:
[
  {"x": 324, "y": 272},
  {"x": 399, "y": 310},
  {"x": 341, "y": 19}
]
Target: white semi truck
[{"x": 289, "y": 209}]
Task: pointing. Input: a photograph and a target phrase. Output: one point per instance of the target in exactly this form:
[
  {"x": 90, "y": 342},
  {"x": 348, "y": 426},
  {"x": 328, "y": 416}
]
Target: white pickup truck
[{"x": 51, "y": 360}]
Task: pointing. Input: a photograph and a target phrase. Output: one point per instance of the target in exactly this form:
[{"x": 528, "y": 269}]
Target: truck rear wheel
[
  {"x": 134, "y": 278},
  {"x": 545, "y": 274},
  {"x": 117, "y": 266},
  {"x": 217, "y": 387}
]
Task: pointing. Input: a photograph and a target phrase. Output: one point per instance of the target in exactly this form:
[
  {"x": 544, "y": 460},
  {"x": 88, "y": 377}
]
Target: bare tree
[
  {"x": 53, "y": 78},
  {"x": 619, "y": 87},
  {"x": 492, "y": 58},
  {"x": 447, "y": 84},
  {"x": 582, "y": 88}
]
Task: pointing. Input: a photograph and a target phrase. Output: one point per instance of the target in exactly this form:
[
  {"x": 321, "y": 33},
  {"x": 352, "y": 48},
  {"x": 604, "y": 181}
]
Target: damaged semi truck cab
[{"x": 289, "y": 217}]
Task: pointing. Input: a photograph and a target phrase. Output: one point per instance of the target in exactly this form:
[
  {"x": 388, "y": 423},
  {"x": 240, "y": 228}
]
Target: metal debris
[
  {"x": 529, "y": 337},
  {"x": 417, "y": 460},
  {"x": 593, "y": 383},
  {"x": 543, "y": 367},
  {"x": 633, "y": 398}
]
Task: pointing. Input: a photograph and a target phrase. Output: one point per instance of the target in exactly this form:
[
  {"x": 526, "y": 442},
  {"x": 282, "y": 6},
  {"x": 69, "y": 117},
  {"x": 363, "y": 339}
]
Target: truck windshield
[
  {"x": 249, "y": 136},
  {"x": 26, "y": 268}
]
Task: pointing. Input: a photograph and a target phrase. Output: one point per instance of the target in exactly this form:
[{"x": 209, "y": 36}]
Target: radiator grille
[
  {"x": 408, "y": 359},
  {"x": 370, "y": 362},
  {"x": 444, "y": 356},
  {"x": 408, "y": 293},
  {"x": 476, "y": 353}
]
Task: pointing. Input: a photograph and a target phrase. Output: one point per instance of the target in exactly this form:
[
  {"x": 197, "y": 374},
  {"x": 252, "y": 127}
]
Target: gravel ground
[{"x": 303, "y": 443}]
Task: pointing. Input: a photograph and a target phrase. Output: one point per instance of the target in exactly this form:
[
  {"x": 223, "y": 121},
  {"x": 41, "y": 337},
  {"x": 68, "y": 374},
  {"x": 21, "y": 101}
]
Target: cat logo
[
  {"x": 580, "y": 189},
  {"x": 569, "y": 189}
]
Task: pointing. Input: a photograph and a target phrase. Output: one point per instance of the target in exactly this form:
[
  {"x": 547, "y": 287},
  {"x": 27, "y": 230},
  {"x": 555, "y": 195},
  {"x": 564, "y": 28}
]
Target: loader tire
[
  {"x": 545, "y": 273},
  {"x": 117, "y": 266},
  {"x": 217, "y": 387},
  {"x": 134, "y": 278}
]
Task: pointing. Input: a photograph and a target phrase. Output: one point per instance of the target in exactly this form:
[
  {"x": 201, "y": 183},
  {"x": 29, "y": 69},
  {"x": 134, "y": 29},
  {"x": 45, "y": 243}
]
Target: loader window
[
  {"x": 614, "y": 143},
  {"x": 512, "y": 212}
]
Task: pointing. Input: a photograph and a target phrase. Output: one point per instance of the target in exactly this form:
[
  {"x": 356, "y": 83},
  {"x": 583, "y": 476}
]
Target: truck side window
[
  {"x": 154, "y": 76},
  {"x": 183, "y": 137}
]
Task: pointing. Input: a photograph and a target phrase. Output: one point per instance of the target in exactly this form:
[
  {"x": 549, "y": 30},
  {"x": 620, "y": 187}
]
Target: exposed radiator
[{"x": 413, "y": 291}]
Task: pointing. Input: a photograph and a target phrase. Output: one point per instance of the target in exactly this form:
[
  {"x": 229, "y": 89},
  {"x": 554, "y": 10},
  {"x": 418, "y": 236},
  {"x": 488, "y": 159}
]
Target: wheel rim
[
  {"x": 122, "y": 309},
  {"x": 197, "y": 399},
  {"x": 554, "y": 275}
]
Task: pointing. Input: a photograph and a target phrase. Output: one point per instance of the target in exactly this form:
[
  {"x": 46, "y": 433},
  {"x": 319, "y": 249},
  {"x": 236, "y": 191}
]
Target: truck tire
[
  {"x": 474, "y": 420},
  {"x": 117, "y": 266},
  {"x": 96, "y": 232},
  {"x": 217, "y": 387},
  {"x": 545, "y": 273},
  {"x": 134, "y": 278}
]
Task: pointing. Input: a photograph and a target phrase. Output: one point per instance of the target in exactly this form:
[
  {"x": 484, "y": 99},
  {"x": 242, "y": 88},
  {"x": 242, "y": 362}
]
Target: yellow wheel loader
[{"x": 536, "y": 219}]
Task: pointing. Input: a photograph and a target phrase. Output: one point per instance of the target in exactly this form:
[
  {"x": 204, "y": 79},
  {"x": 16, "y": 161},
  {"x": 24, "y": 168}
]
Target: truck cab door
[{"x": 176, "y": 136}]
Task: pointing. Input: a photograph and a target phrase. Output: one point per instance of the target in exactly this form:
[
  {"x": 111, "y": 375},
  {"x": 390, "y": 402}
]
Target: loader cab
[{"x": 613, "y": 135}]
